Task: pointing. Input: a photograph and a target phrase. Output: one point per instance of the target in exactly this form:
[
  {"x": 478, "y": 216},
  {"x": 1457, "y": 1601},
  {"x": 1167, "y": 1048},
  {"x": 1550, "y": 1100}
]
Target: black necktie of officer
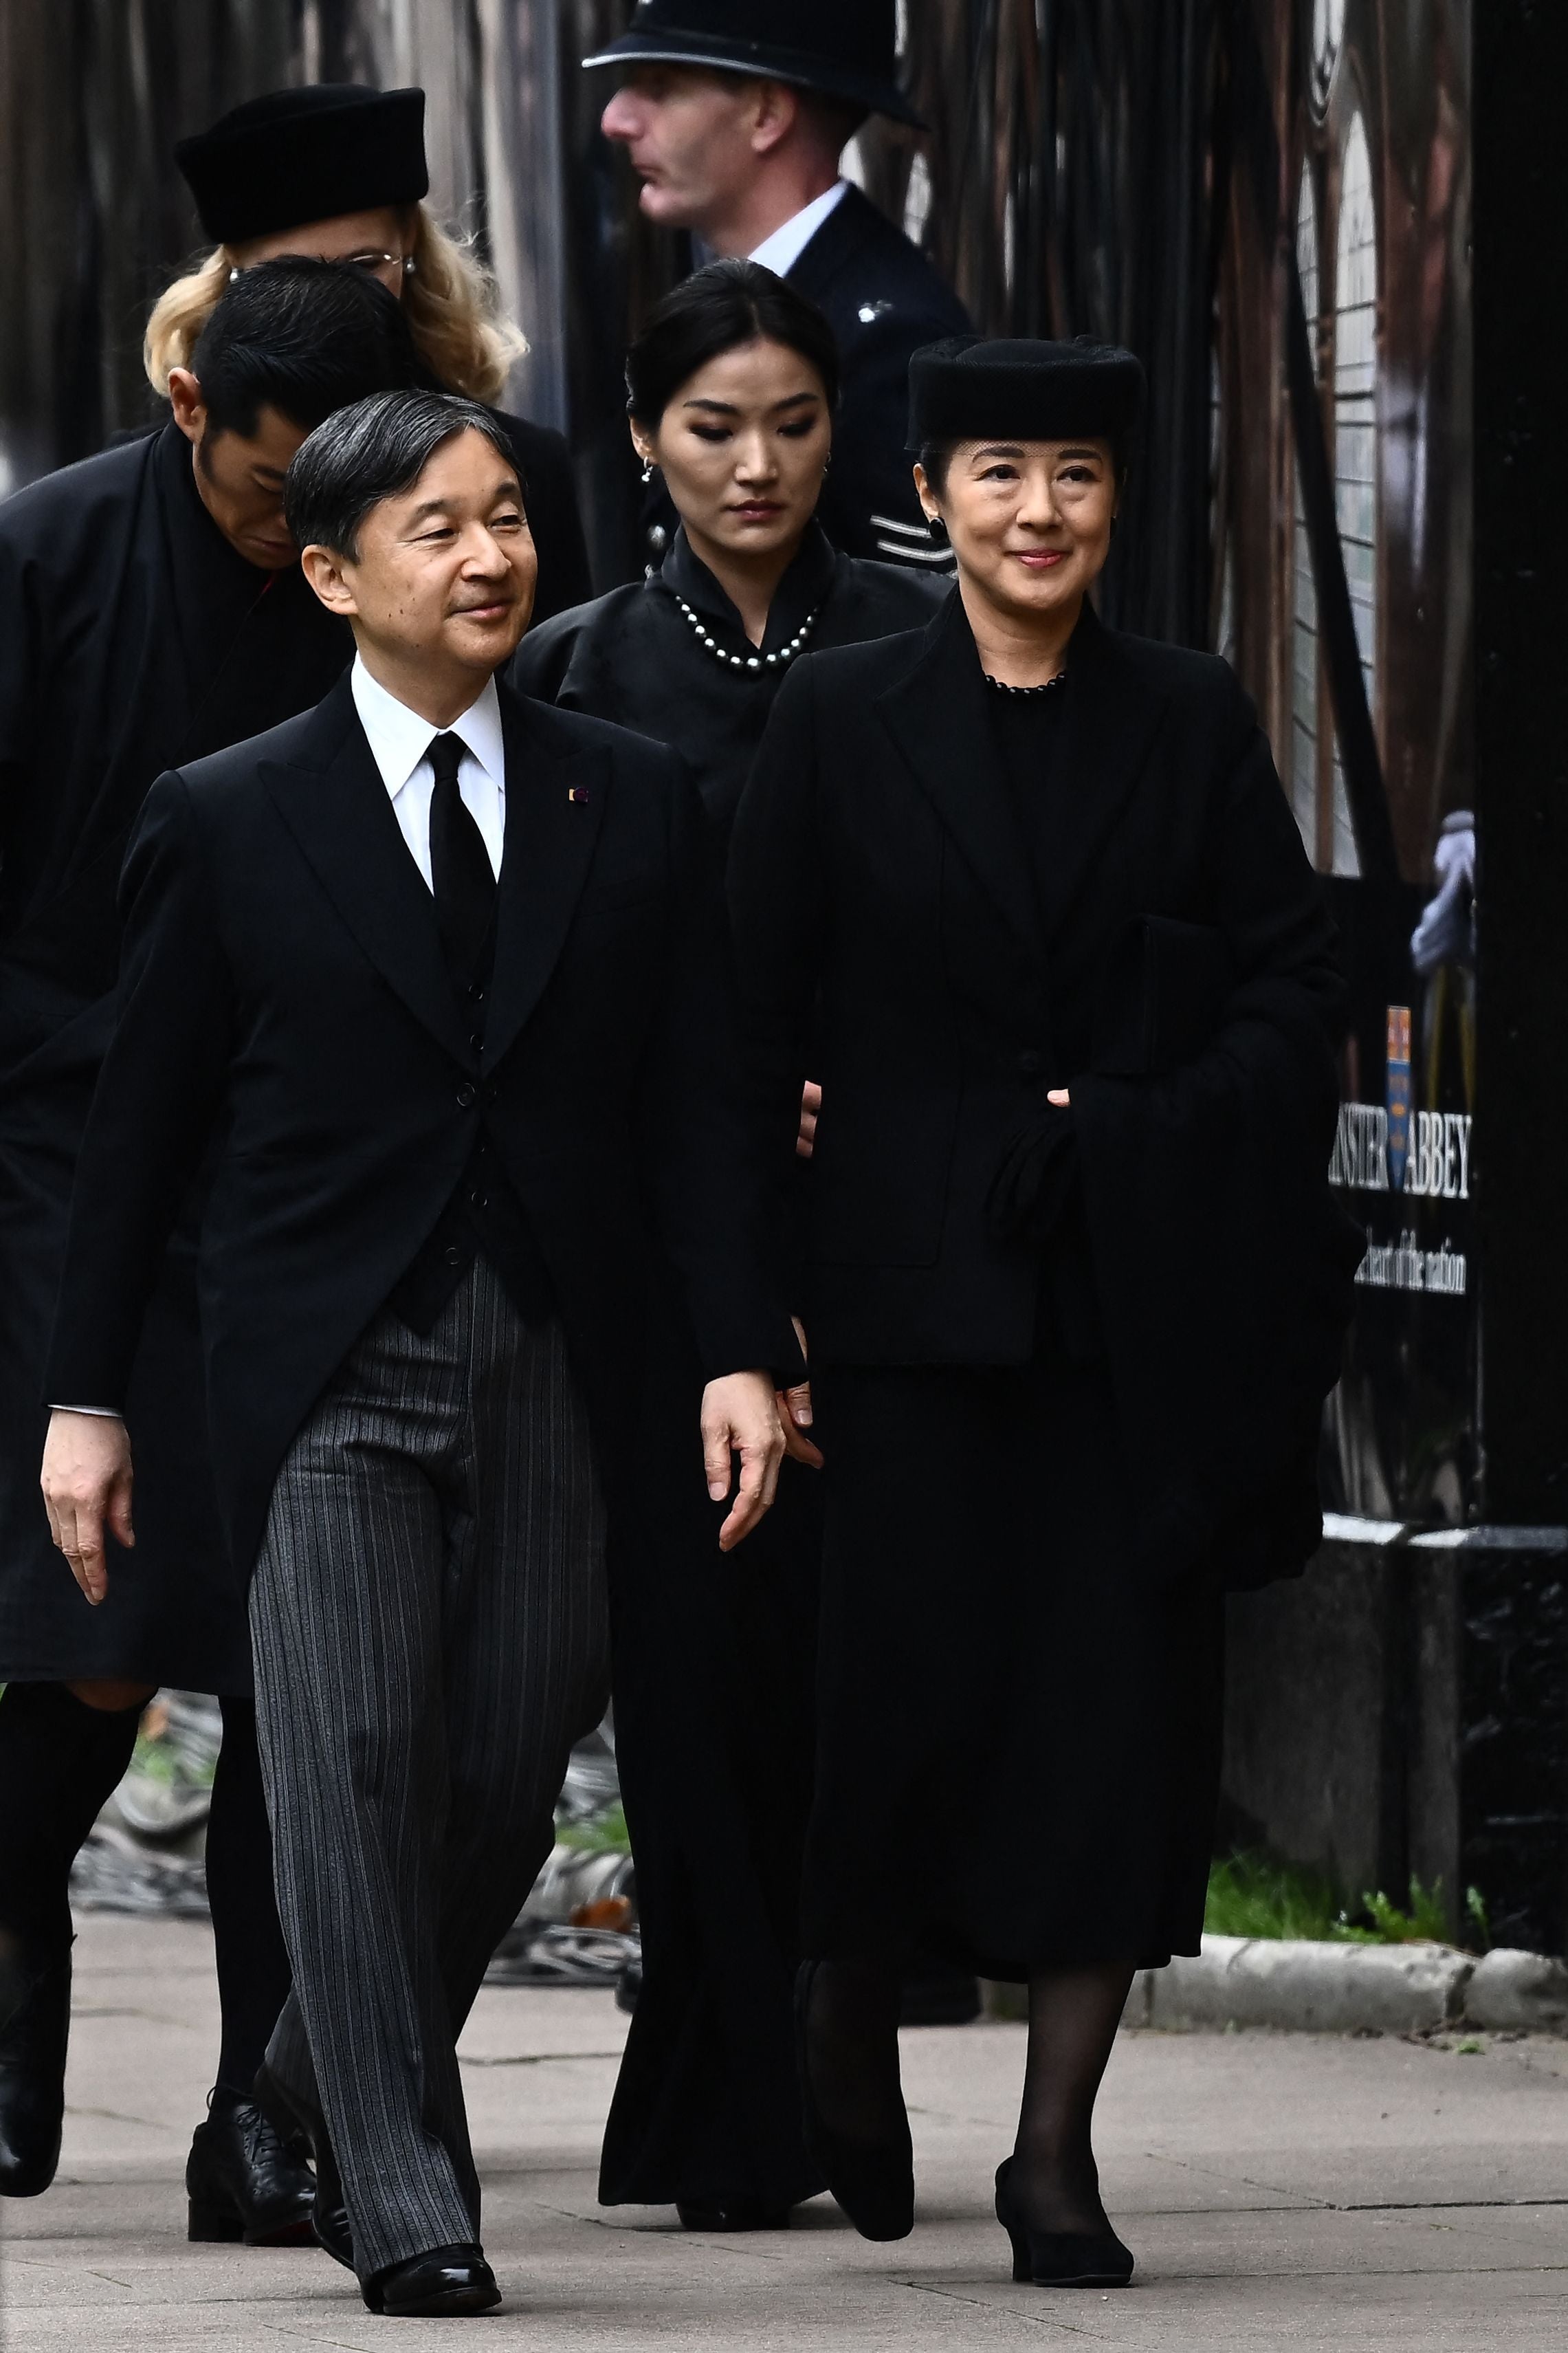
[{"x": 461, "y": 875}]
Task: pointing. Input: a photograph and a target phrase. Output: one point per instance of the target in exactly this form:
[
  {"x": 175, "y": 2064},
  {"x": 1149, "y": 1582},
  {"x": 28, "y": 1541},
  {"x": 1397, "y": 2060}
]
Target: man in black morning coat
[
  {"x": 734, "y": 114},
  {"x": 151, "y": 610},
  {"x": 440, "y": 978}
]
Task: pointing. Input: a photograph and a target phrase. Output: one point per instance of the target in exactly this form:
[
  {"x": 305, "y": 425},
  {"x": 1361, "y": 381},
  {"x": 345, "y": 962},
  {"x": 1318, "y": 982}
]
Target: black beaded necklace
[
  {"x": 778, "y": 661},
  {"x": 1047, "y": 686}
]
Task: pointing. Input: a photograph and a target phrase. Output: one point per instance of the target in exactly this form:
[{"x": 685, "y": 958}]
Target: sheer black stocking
[
  {"x": 852, "y": 2050},
  {"x": 1073, "y": 2017},
  {"x": 253, "y": 1973},
  {"x": 60, "y": 1761}
]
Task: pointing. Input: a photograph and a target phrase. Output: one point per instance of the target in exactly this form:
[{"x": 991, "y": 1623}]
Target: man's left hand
[{"x": 740, "y": 1416}]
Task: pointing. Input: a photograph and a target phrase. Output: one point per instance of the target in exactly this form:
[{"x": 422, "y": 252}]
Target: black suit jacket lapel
[
  {"x": 937, "y": 717},
  {"x": 555, "y": 795},
  {"x": 1113, "y": 714},
  {"x": 331, "y": 797}
]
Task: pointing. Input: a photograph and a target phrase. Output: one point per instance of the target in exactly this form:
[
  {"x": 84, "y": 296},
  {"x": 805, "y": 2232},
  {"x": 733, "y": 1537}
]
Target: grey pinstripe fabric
[{"x": 429, "y": 1618}]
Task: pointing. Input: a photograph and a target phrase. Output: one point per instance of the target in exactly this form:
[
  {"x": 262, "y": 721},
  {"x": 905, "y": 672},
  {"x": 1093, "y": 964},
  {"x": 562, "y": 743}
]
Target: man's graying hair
[{"x": 376, "y": 450}]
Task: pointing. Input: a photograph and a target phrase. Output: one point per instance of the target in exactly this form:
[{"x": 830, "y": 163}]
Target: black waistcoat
[{"x": 483, "y": 1218}]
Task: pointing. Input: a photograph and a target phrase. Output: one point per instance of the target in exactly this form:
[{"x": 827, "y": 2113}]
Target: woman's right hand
[{"x": 794, "y": 1412}]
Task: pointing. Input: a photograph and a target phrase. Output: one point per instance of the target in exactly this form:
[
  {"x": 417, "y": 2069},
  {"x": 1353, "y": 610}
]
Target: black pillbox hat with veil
[{"x": 997, "y": 388}]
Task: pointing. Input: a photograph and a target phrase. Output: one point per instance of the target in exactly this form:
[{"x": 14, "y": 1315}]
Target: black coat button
[
  {"x": 454, "y": 1255},
  {"x": 1031, "y": 1063},
  {"x": 465, "y": 1097},
  {"x": 476, "y": 1041},
  {"x": 480, "y": 1200}
]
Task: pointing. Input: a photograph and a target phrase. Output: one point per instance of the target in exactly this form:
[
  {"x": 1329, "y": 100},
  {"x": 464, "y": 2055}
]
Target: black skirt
[{"x": 1018, "y": 1740}]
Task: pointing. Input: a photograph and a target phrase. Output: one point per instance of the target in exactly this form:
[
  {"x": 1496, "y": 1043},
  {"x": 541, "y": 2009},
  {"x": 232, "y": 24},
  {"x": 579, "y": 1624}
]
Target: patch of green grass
[
  {"x": 1253, "y": 1894},
  {"x": 603, "y": 1834}
]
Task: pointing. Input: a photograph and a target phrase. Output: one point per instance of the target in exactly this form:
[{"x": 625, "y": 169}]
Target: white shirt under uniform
[{"x": 782, "y": 250}]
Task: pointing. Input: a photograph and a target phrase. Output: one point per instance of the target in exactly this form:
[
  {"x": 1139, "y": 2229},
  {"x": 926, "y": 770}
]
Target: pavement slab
[{"x": 1279, "y": 2190}]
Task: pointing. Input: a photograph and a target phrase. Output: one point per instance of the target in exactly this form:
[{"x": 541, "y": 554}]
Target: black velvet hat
[
  {"x": 299, "y": 155},
  {"x": 846, "y": 49},
  {"x": 980, "y": 389}
]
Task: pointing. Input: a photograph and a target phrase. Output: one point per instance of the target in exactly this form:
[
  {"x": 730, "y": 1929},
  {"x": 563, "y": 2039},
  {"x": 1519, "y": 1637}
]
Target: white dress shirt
[
  {"x": 399, "y": 742},
  {"x": 782, "y": 250}
]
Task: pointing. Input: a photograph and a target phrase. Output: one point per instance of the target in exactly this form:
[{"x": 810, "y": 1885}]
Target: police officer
[{"x": 734, "y": 114}]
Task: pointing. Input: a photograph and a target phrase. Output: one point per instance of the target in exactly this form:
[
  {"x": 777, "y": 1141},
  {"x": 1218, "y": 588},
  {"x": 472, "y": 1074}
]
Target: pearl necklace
[
  {"x": 1000, "y": 685},
  {"x": 747, "y": 661}
]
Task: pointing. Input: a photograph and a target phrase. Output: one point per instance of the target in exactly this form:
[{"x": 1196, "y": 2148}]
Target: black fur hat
[
  {"x": 309, "y": 154},
  {"x": 980, "y": 388}
]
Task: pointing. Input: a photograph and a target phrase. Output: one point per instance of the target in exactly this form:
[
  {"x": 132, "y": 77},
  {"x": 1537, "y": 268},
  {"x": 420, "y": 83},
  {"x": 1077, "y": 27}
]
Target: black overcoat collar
[
  {"x": 332, "y": 797},
  {"x": 938, "y": 717}
]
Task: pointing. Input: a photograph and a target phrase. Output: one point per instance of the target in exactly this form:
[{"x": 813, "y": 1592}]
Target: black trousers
[
  {"x": 429, "y": 1621},
  {"x": 1018, "y": 1740}
]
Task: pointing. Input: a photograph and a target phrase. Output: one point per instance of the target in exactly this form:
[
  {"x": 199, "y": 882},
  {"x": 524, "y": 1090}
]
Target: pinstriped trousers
[{"x": 429, "y": 1622}]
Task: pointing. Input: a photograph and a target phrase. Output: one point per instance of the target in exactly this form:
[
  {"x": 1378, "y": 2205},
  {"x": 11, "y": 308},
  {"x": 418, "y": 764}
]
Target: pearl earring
[{"x": 647, "y": 469}]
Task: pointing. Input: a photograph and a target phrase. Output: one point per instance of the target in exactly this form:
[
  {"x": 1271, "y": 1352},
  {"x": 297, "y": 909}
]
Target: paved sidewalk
[{"x": 1278, "y": 2190}]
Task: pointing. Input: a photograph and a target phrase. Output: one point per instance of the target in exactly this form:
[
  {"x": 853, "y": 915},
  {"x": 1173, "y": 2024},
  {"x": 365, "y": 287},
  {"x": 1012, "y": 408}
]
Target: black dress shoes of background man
[
  {"x": 289, "y": 2116},
  {"x": 35, "y": 2025},
  {"x": 247, "y": 2180},
  {"x": 445, "y": 2283}
]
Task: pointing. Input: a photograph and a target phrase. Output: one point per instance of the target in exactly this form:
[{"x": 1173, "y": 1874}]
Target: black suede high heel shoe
[
  {"x": 873, "y": 2181},
  {"x": 1060, "y": 2258}
]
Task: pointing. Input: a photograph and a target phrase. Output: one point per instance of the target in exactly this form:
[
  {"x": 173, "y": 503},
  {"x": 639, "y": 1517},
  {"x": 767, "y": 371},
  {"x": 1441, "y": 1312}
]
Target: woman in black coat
[
  {"x": 1072, "y": 1286},
  {"x": 731, "y": 396}
]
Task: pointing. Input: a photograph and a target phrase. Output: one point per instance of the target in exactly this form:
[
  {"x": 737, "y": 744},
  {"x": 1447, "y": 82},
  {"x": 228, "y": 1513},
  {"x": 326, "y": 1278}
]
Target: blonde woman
[{"x": 338, "y": 173}]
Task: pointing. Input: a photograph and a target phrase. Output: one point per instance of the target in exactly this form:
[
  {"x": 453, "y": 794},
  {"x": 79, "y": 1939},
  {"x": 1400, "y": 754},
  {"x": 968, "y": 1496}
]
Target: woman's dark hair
[
  {"x": 936, "y": 457},
  {"x": 303, "y": 337},
  {"x": 718, "y": 310},
  {"x": 375, "y": 450}
]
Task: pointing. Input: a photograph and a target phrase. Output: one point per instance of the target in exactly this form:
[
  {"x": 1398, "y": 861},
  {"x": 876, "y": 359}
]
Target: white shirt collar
[
  {"x": 782, "y": 250},
  {"x": 399, "y": 738}
]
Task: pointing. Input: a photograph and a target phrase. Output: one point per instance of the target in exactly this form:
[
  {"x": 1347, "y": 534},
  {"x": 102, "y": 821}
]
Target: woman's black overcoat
[
  {"x": 714, "y": 1656},
  {"x": 1159, "y": 945}
]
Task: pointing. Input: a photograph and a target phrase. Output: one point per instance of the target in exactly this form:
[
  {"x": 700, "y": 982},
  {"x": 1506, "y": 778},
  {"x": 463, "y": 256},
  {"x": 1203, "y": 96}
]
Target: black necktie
[{"x": 460, "y": 872}]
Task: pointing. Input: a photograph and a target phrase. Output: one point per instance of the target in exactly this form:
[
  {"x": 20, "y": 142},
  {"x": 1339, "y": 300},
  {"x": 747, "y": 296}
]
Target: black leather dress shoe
[
  {"x": 445, "y": 2283},
  {"x": 328, "y": 2215},
  {"x": 629, "y": 1985},
  {"x": 246, "y": 2181},
  {"x": 1060, "y": 2258},
  {"x": 33, "y": 2037},
  {"x": 873, "y": 2181},
  {"x": 737, "y": 2214}
]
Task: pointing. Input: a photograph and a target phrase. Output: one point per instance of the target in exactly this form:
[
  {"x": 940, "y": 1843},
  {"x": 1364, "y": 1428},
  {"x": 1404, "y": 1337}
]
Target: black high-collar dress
[
  {"x": 715, "y": 1656},
  {"x": 635, "y": 656}
]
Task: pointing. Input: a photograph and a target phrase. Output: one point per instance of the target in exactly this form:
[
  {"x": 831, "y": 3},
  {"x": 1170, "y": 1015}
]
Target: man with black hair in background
[{"x": 152, "y": 609}]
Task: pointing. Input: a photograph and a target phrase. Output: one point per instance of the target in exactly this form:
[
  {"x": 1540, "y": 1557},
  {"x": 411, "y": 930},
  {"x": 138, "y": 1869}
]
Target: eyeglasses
[{"x": 387, "y": 267}]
